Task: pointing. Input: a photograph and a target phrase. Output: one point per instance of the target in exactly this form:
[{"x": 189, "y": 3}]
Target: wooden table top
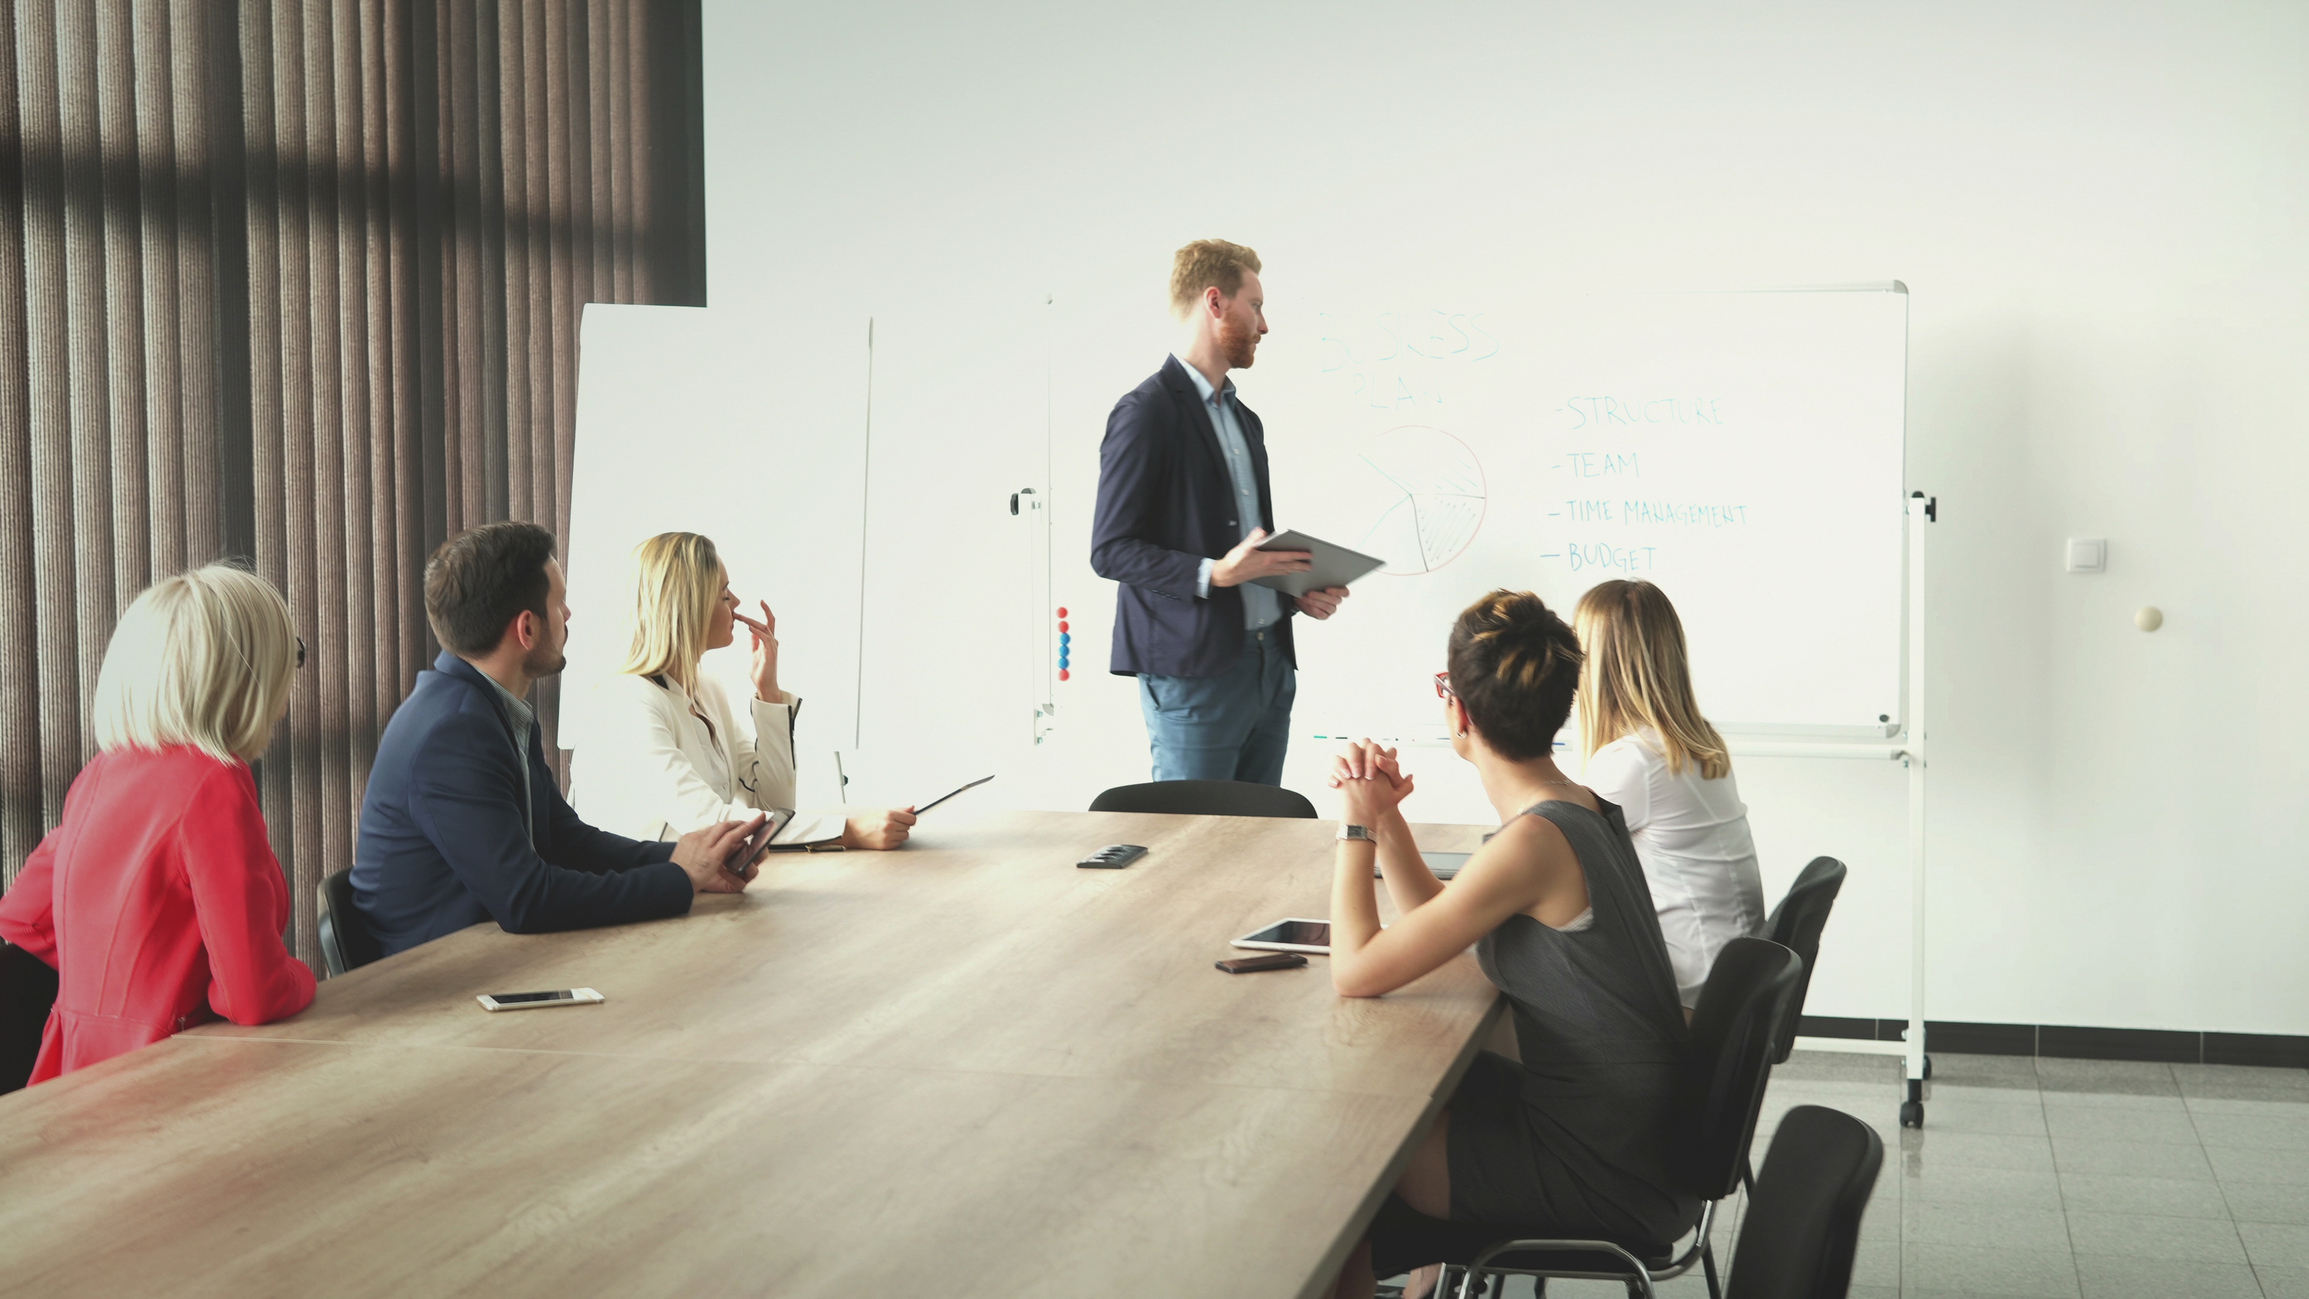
[{"x": 967, "y": 1066}]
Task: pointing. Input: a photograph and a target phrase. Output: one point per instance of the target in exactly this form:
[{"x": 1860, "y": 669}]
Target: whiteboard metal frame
[{"x": 1922, "y": 511}]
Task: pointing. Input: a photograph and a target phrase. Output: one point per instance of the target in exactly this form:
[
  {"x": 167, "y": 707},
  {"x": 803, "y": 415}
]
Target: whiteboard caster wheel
[
  {"x": 1912, "y": 1114},
  {"x": 1928, "y": 1068}
]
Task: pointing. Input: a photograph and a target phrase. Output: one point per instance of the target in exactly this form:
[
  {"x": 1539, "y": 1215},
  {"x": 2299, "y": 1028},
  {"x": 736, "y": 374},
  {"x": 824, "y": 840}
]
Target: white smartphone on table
[{"x": 539, "y": 1000}]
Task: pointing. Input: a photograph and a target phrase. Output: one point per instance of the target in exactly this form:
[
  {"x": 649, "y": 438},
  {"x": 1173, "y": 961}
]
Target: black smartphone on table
[{"x": 1271, "y": 961}]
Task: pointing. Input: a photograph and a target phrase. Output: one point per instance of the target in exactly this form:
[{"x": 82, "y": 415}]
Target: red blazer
[{"x": 156, "y": 898}]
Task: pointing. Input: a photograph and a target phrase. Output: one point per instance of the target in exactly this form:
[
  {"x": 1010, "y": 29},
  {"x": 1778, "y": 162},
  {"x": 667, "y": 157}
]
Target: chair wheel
[{"x": 1912, "y": 1114}]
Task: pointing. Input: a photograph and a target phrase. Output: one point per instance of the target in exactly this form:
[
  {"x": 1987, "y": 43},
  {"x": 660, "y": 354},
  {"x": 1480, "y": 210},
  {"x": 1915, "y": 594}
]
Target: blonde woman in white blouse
[
  {"x": 667, "y": 754},
  {"x": 1650, "y": 751}
]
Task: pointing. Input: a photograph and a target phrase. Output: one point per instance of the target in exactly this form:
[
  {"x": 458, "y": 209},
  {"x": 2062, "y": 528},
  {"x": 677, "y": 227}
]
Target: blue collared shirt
[{"x": 1262, "y": 606}]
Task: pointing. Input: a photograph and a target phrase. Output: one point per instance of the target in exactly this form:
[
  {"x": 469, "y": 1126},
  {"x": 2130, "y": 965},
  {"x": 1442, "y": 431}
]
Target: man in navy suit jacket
[
  {"x": 462, "y": 821},
  {"x": 1183, "y": 502}
]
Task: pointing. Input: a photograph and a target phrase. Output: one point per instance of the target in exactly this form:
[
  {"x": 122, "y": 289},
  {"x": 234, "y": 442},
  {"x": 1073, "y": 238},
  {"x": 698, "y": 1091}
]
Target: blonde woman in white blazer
[{"x": 666, "y": 753}]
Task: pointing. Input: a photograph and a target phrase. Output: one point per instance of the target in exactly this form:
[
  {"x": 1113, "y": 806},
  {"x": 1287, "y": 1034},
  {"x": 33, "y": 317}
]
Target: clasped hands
[
  {"x": 1371, "y": 783},
  {"x": 1246, "y": 562}
]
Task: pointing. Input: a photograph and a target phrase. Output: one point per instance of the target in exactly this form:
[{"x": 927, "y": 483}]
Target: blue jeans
[{"x": 1234, "y": 726}]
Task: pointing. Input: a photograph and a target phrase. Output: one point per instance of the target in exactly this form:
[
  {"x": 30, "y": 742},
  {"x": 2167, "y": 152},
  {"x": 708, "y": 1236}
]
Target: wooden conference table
[{"x": 963, "y": 1069}]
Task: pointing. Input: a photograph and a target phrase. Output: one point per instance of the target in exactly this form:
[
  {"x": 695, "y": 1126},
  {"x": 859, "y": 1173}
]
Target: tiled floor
[{"x": 2082, "y": 1179}]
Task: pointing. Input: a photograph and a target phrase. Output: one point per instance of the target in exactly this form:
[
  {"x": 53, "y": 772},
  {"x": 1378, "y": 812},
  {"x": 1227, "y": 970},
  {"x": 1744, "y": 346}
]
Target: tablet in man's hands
[{"x": 1327, "y": 565}]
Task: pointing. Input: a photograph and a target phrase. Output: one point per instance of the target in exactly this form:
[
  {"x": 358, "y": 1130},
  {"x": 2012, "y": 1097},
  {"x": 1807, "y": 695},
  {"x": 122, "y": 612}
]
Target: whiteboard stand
[
  {"x": 1922, "y": 510},
  {"x": 1908, "y": 750}
]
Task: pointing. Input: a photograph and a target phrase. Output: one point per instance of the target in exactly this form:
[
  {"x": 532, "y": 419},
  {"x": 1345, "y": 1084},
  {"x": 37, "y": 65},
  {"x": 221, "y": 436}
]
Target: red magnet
[
  {"x": 1062, "y": 626},
  {"x": 1063, "y": 674}
]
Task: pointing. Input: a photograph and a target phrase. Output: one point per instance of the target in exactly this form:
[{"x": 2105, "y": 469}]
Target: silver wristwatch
[{"x": 1347, "y": 832}]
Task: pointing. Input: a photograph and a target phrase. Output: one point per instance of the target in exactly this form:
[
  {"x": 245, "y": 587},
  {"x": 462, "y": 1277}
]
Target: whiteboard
[
  {"x": 747, "y": 428},
  {"x": 1744, "y": 451}
]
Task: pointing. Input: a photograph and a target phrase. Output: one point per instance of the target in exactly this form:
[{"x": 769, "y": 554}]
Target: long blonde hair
[
  {"x": 678, "y": 580},
  {"x": 205, "y": 658},
  {"x": 1638, "y": 676}
]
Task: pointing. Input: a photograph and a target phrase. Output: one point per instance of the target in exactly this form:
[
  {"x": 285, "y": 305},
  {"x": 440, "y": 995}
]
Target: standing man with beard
[
  {"x": 462, "y": 821},
  {"x": 1183, "y": 503}
]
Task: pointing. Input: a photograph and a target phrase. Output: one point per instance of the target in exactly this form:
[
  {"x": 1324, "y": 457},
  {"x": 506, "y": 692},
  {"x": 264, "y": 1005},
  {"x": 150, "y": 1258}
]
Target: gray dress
[{"x": 1576, "y": 1139}]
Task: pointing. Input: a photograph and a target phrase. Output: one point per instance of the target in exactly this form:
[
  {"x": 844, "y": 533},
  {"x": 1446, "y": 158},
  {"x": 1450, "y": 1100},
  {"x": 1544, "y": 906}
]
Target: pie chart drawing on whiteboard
[{"x": 1426, "y": 493}]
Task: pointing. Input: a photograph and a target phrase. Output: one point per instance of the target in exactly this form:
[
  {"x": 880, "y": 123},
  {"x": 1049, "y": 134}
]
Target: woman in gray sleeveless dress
[{"x": 1573, "y": 1140}]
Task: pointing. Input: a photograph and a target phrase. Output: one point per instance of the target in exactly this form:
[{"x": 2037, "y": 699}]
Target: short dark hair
[
  {"x": 480, "y": 580},
  {"x": 1514, "y": 666}
]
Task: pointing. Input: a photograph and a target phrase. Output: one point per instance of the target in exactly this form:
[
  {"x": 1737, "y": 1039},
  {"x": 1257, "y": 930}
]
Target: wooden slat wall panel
[
  {"x": 87, "y": 400},
  {"x": 119, "y": 211},
  {"x": 24, "y": 811},
  {"x": 161, "y": 339},
  {"x": 358, "y": 304},
  {"x": 425, "y": 194},
  {"x": 177, "y": 37},
  {"x": 487, "y": 443},
  {"x": 399, "y": 546},
  {"x": 55, "y": 680}
]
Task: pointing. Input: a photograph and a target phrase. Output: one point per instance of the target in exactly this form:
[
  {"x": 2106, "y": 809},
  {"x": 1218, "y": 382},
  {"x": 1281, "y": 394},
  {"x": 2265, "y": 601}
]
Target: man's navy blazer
[
  {"x": 1165, "y": 504},
  {"x": 442, "y": 845}
]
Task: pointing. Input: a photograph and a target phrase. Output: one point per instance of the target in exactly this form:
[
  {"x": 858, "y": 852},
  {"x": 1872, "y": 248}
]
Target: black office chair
[
  {"x": 27, "y": 993},
  {"x": 346, "y": 943},
  {"x": 1796, "y": 924},
  {"x": 1803, "y": 1221},
  {"x": 1205, "y": 798},
  {"x": 1727, "y": 1060}
]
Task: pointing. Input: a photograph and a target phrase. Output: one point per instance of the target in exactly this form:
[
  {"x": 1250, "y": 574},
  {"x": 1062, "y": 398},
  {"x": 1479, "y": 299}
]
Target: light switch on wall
[{"x": 2088, "y": 555}]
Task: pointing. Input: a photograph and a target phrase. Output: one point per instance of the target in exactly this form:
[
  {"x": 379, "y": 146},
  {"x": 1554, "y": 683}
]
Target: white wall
[{"x": 2099, "y": 209}]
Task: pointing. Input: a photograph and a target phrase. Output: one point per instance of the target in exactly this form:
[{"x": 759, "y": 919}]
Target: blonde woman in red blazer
[{"x": 157, "y": 898}]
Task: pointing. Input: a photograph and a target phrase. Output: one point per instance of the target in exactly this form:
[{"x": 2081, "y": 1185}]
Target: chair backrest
[
  {"x": 1796, "y": 924},
  {"x": 27, "y": 994},
  {"x": 1728, "y": 1058},
  {"x": 1205, "y": 798},
  {"x": 346, "y": 943},
  {"x": 1803, "y": 1222}
]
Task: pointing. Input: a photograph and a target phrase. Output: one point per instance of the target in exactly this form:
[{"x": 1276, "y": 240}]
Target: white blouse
[
  {"x": 657, "y": 763},
  {"x": 1691, "y": 834}
]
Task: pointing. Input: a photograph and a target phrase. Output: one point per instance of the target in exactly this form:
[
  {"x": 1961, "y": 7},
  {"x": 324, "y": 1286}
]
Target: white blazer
[
  {"x": 653, "y": 768},
  {"x": 1691, "y": 835}
]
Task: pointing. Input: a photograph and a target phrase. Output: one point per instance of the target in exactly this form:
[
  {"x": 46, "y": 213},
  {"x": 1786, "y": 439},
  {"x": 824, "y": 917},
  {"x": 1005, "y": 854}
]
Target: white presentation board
[
  {"x": 746, "y": 429},
  {"x": 1741, "y": 450}
]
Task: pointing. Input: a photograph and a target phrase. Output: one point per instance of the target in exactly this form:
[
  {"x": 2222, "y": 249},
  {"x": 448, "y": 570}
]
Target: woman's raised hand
[{"x": 765, "y": 653}]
